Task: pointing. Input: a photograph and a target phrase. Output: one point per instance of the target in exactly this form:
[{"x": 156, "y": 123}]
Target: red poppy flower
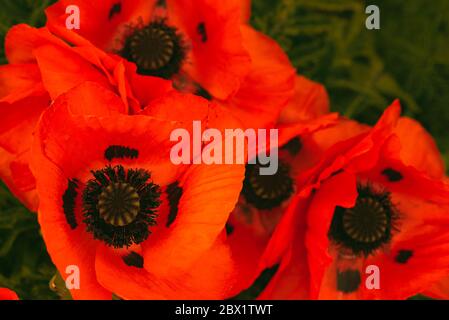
[
  {"x": 41, "y": 68},
  {"x": 263, "y": 199},
  {"x": 7, "y": 294},
  {"x": 113, "y": 204},
  {"x": 207, "y": 32},
  {"x": 205, "y": 46},
  {"x": 360, "y": 207}
]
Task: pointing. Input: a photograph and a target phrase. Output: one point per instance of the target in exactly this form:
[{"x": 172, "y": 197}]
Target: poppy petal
[
  {"x": 280, "y": 242},
  {"x": 309, "y": 102},
  {"x": 343, "y": 278},
  {"x": 140, "y": 84},
  {"x": 398, "y": 177},
  {"x": 22, "y": 39},
  {"x": 418, "y": 149},
  {"x": 186, "y": 108},
  {"x": 292, "y": 279},
  {"x": 218, "y": 60},
  {"x": 62, "y": 70},
  {"x": 247, "y": 240},
  {"x": 18, "y": 122},
  {"x": 268, "y": 87},
  {"x": 209, "y": 193},
  {"x": 18, "y": 81},
  {"x": 209, "y": 277},
  {"x": 17, "y": 176},
  {"x": 439, "y": 290},
  {"x": 304, "y": 128},
  {"x": 178, "y": 106},
  {"x": 17, "y": 127},
  {"x": 357, "y": 153},
  {"x": 7, "y": 294},
  {"x": 409, "y": 257}
]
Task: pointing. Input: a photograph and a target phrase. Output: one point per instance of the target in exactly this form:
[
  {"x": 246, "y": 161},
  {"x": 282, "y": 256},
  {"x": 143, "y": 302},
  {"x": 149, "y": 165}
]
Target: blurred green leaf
[
  {"x": 24, "y": 263},
  {"x": 20, "y": 11}
]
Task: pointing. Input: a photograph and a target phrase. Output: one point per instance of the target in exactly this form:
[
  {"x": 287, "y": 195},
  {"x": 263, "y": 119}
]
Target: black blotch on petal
[
  {"x": 174, "y": 193},
  {"x": 229, "y": 228},
  {"x": 68, "y": 203},
  {"x": 202, "y": 31},
  {"x": 336, "y": 173},
  {"x": 203, "y": 93},
  {"x": 403, "y": 256},
  {"x": 348, "y": 281},
  {"x": 133, "y": 260},
  {"x": 293, "y": 146},
  {"x": 392, "y": 175},
  {"x": 259, "y": 284},
  {"x": 120, "y": 152},
  {"x": 115, "y": 9}
]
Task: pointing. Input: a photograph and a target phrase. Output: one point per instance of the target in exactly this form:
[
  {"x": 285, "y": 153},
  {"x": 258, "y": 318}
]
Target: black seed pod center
[
  {"x": 157, "y": 49},
  {"x": 366, "y": 222},
  {"x": 267, "y": 191},
  {"x": 368, "y": 225},
  {"x": 120, "y": 205}
]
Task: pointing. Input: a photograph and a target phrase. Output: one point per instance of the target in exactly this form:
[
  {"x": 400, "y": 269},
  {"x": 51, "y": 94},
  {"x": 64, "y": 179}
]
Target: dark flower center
[
  {"x": 157, "y": 49},
  {"x": 267, "y": 191},
  {"x": 368, "y": 225},
  {"x": 119, "y": 205}
]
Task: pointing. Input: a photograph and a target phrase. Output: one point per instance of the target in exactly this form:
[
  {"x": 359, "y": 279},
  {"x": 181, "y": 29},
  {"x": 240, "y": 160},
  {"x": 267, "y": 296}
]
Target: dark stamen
[
  {"x": 157, "y": 49},
  {"x": 174, "y": 194},
  {"x": 120, "y": 152},
  {"x": 119, "y": 205},
  {"x": 368, "y": 225},
  {"x": 133, "y": 259},
  {"x": 392, "y": 175},
  {"x": 68, "y": 203},
  {"x": 267, "y": 191},
  {"x": 348, "y": 281}
]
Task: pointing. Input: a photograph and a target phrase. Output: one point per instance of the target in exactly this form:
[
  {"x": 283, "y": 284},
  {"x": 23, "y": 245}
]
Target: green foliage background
[{"x": 327, "y": 41}]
